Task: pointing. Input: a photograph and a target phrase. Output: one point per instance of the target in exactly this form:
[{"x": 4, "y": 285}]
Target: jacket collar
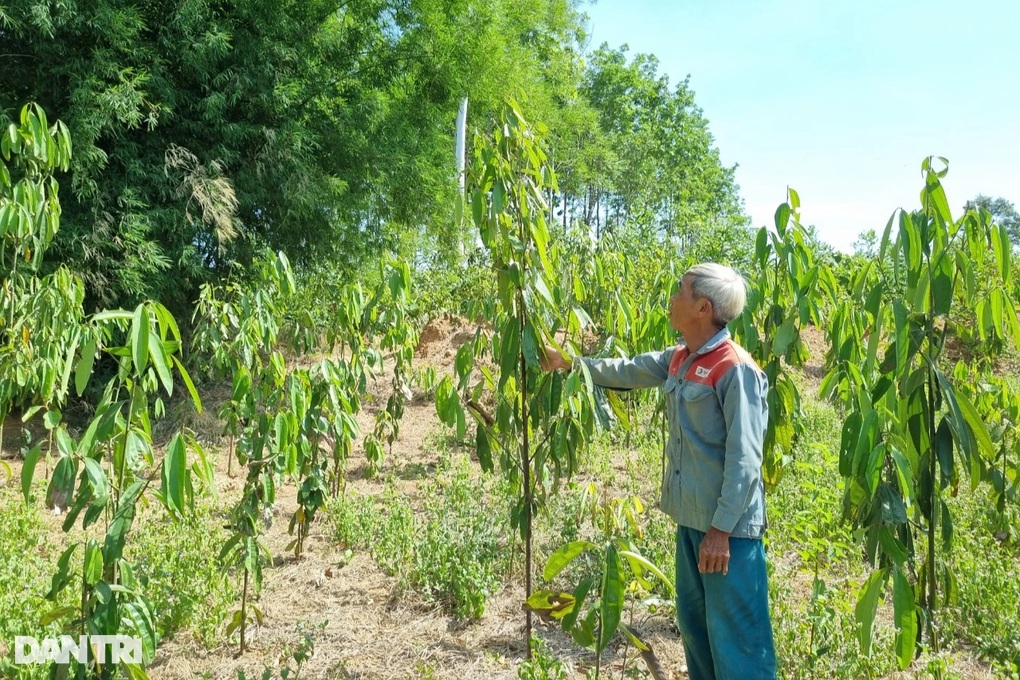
[{"x": 715, "y": 341}]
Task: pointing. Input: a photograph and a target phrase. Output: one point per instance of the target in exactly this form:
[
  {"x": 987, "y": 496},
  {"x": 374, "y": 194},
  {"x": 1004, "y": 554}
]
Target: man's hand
[
  {"x": 550, "y": 360},
  {"x": 715, "y": 552}
]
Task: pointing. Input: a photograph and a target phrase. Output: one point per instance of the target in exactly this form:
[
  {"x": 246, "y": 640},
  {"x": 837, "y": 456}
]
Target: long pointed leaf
[
  {"x": 195, "y": 399},
  {"x": 612, "y": 597},
  {"x": 867, "y": 606},
  {"x": 139, "y": 338},
  {"x": 564, "y": 556},
  {"x": 174, "y": 475},
  {"x": 906, "y": 618},
  {"x": 28, "y": 470},
  {"x": 158, "y": 354},
  {"x": 83, "y": 371},
  {"x": 637, "y": 561}
]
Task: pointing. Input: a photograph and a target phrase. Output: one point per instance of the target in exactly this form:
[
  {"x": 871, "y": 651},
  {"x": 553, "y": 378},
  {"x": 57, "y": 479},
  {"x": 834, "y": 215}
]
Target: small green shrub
[
  {"x": 24, "y": 580},
  {"x": 457, "y": 559},
  {"x": 543, "y": 665},
  {"x": 988, "y": 589},
  {"x": 385, "y": 528},
  {"x": 354, "y": 518},
  {"x": 178, "y": 566}
]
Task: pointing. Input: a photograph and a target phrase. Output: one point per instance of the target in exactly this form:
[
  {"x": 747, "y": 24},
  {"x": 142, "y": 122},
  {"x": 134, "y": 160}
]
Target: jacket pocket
[{"x": 702, "y": 416}]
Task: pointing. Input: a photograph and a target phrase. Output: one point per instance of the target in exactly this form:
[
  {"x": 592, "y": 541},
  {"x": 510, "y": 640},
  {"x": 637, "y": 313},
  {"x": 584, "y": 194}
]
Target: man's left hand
[{"x": 715, "y": 552}]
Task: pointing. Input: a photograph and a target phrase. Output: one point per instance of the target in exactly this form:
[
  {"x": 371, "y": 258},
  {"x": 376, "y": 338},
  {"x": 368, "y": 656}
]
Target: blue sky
[{"x": 841, "y": 100}]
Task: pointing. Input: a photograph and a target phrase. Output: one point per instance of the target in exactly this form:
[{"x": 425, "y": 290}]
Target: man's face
[{"x": 682, "y": 305}]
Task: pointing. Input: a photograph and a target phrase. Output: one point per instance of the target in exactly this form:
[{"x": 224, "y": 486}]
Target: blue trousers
[{"x": 724, "y": 620}]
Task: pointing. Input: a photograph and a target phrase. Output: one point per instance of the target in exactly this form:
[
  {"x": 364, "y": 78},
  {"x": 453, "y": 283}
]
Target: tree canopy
[{"x": 205, "y": 131}]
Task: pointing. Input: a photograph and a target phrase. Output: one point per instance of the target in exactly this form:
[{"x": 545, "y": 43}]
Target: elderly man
[{"x": 712, "y": 484}]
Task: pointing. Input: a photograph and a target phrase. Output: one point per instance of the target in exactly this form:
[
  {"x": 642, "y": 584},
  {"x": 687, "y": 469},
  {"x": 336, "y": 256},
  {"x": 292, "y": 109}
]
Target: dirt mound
[{"x": 441, "y": 337}]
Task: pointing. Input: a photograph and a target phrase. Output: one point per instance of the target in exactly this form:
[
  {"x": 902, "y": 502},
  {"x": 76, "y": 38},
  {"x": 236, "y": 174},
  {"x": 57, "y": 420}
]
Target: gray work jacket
[{"x": 717, "y": 413}]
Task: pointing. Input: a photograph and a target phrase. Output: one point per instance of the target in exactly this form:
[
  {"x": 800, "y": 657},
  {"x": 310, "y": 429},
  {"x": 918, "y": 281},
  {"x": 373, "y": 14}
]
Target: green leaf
[
  {"x": 904, "y": 473},
  {"x": 968, "y": 425},
  {"x": 159, "y": 360},
  {"x": 893, "y": 510},
  {"x": 784, "y": 336},
  {"x": 851, "y": 434},
  {"x": 543, "y": 288},
  {"x": 83, "y": 370},
  {"x": 864, "y": 453},
  {"x": 99, "y": 490},
  {"x": 1003, "y": 250},
  {"x": 563, "y": 556},
  {"x": 892, "y": 546},
  {"x": 113, "y": 546},
  {"x": 235, "y": 622},
  {"x": 942, "y": 283},
  {"x": 174, "y": 477},
  {"x": 618, "y": 407},
  {"x": 998, "y": 306},
  {"x": 483, "y": 449},
  {"x": 943, "y": 445},
  {"x": 52, "y": 418},
  {"x": 867, "y": 606},
  {"x": 461, "y": 420},
  {"x": 531, "y": 345},
  {"x": 638, "y": 643},
  {"x": 61, "y": 488},
  {"x": 498, "y": 195},
  {"x": 63, "y": 575},
  {"x": 140, "y": 618},
  {"x": 134, "y": 671},
  {"x": 871, "y": 474},
  {"x": 936, "y": 199},
  {"x": 761, "y": 246},
  {"x": 905, "y": 618},
  {"x": 446, "y": 399},
  {"x": 188, "y": 384},
  {"x": 580, "y": 593},
  {"x": 93, "y": 563},
  {"x": 28, "y": 470},
  {"x": 56, "y": 614},
  {"x": 584, "y": 631},
  {"x": 612, "y": 597},
  {"x": 947, "y": 528},
  {"x": 782, "y": 219},
  {"x": 510, "y": 337},
  {"x": 910, "y": 242},
  {"x": 638, "y": 561},
  {"x": 583, "y": 320},
  {"x": 463, "y": 364},
  {"x": 139, "y": 338}
]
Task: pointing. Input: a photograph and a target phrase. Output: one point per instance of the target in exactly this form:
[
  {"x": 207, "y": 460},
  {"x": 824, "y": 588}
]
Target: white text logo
[{"x": 122, "y": 649}]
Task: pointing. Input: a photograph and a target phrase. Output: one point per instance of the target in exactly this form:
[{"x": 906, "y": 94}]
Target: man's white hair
[{"x": 723, "y": 286}]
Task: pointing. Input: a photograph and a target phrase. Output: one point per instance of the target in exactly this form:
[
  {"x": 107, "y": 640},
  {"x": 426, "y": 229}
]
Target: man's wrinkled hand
[
  {"x": 715, "y": 552},
  {"x": 551, "y": 359}
]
